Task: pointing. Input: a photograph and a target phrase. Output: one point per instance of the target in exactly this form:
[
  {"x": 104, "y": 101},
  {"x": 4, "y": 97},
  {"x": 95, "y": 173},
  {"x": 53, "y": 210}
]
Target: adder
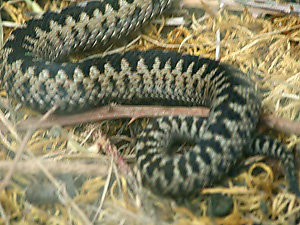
[{"x": 35, "y": 70}]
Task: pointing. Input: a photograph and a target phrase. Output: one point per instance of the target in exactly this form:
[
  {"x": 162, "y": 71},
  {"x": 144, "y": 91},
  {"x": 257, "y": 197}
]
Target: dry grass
[{"x": 268, "y": 49}]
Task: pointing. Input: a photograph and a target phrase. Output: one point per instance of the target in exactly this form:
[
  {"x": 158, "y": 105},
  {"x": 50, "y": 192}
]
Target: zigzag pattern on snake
[{"x": 35, "y": 70}]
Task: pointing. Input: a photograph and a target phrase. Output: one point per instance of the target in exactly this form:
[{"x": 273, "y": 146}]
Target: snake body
[{"x": 35, "y": 70}]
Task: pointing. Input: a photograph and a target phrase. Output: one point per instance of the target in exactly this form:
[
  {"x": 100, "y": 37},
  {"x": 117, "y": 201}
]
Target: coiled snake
[{"x": 34, "y": 70}]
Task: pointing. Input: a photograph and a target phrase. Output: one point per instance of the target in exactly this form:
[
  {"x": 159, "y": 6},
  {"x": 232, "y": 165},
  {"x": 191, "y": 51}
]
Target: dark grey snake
[{"x": 34, "y": 70}]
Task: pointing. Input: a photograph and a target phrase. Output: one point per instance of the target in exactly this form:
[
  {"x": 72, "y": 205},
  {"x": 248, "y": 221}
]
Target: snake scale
[{"x": 35, "y": 70}]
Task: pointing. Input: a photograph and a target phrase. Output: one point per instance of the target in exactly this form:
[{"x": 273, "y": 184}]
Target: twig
[
  {"x": 282, "y": 125},
  {"x": 265, "y": 7},
  {"x": 175, "y": 21},
  {"x": 170, "y": 46},
  {"x": 272, "y": 6},
  {"x": 110, "y": 149},
  {"x": 120, "y": 111},
  {"x": 9, "y": 24},
  {"x": 230, "y": 190},
  {"x": 214, "y": 4},
  {"x": 56, "y": 167},
  {"x": 104, "y": 191},
  {"x": 114, "y": 112}
]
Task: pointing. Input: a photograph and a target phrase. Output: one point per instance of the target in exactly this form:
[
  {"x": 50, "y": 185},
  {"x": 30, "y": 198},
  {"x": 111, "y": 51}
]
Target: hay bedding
[{"x": 97, "y": 184}]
